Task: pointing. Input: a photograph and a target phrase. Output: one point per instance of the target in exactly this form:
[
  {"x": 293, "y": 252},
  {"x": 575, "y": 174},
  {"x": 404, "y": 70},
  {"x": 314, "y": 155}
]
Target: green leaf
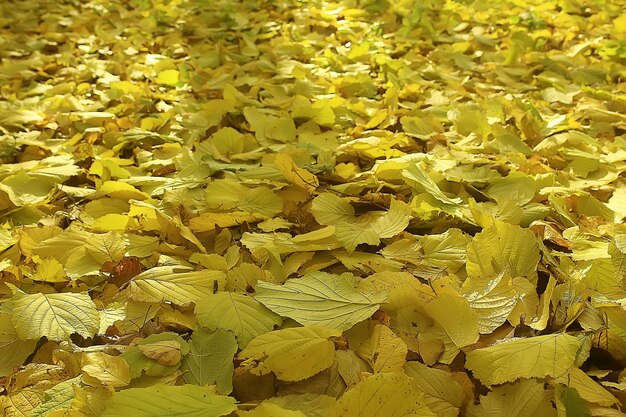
[
  {"x": 320, "y": 299},
  {"x": 533, "y": 357},
  {"x": 382, "y": 395},
  {"x": 210, "y": 360},
  {"x": 293, "y": 354},
  {"x": 152, "y": 366},
  {"x": 570, "y": 400},
  {"x": 587, "y": 387},
  {"x": 169, "y": 401},
  {"x": 238, "y": 313},
  {"x": 56, "y": 398},
  {"x": 56, "y": 316}
]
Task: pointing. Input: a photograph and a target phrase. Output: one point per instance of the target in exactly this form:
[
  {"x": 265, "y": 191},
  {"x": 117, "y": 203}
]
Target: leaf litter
[{"x": 313, "y": 208}]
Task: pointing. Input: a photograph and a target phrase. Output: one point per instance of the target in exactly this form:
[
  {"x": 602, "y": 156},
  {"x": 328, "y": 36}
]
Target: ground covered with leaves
[{"x": 313, "y": 208}]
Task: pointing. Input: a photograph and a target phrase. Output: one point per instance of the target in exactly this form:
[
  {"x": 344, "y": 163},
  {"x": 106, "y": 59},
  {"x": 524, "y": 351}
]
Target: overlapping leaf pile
[{"x": 313, "y": 208}]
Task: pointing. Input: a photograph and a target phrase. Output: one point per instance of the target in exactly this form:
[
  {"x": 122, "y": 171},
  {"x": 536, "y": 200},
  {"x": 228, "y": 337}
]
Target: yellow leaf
[
  {"x": 295, "y": 175},
  {"x": 25, "y": 189},
  {"x": 271, "y": 410},
  {"x": 88, "y": 401},
  {"x": 99, "y": 367},
  {"x": 588, "y": 389},
  {"x": 164, "y": 400},
  {"x": 122, "y": 191},
  {"x": 353, "y": 234},
  {"x": 56, "y": 316},
  {"x": 111, "y": 222},
  {"x": 50, "y": 270},
  {"x": 6, "y": 239},
  {"x": 165, "y": 352},
  {"x": 227, "y": 194},
  {"x": 168, "y": 77},
  {"x": 13, "y": 350},
  {"x": 126, "y": 87},
  {"x": 393, "y": 221},
  {"x": 533, "y": 357},
  {"x": 330, "y": 209},
  {"x": 543, "y": 314},
  {"x": 382, "y": 395},
  {"x": 442, "y": 393},
  {"x": 526, "y": 398},
  {"x": 20, "y": 403},
  {"x": 503, "y": 246},
  {"x": 180, "y": 285},
  {"x": 456, "y": 324},
  {"x": 385, "y": 351},
  {"x": 527, "y": 302},
  {"x": 492, "y": 300},
  {"x": 265, "y": 126},
  {"x": 313, "y": 405},
  {"x": 209, "y": 221},
  {"x": 322, "y": 299},
  {"x": 237, "y": 313},
  {"x": 293, "y": 354}
]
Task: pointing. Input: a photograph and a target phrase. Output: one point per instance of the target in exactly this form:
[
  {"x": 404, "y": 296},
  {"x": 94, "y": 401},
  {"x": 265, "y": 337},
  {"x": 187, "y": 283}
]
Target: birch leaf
[
  {"x": 210, "y": 360},
  {"x": 526, "y": 398},
  {"x": 533, "y": 357},
  {"x": 491, "y": 300},
  {"x": 175, "y": 284},
  {"x": 503, "y": 246},
  {"x": 455, "y": 324},
  {"x": 271, "y": 410},
  {"x": 13, "y": 350},
  {"x": 330, "y": 209},
  {"x": 112, "y": 371},
  {"x": 169, "y": 401},
  {"x": 320, "y": 299},
  {"x": 55, "y": 316},
  {"x": 293, "y": 354},
  {"x": 385, "y": 351},
  {"x": 382, "y": 395},
  {"x": 240, "y": 314},
  {"x": 442, "y": 394}
]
